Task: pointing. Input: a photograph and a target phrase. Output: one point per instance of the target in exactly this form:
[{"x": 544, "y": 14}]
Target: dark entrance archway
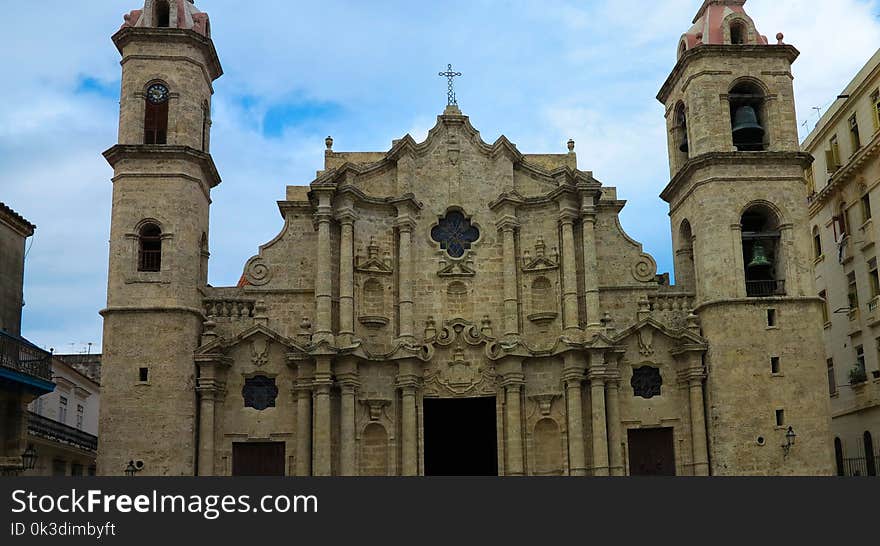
[
  {"x": 651, "y": 452},
  {"x": 258, "y": 459},
  {"x": 460, "y": 437}
]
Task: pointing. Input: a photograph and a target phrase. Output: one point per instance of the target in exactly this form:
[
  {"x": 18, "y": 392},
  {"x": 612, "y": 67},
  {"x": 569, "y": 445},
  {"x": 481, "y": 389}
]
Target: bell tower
[
  {"x": 162, "y": 180},
  {"x": 737, "y": 199}
]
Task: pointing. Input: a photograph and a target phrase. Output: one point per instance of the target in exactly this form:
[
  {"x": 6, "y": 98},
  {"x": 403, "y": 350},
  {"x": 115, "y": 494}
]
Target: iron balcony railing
[
  {"x": 765, "y": 289},
  {"x": 59, "y": 432},
  {"x": 18, "y": 354},
  {"x": 150, "y": 260},
  {"x": 860, "y": 466}
]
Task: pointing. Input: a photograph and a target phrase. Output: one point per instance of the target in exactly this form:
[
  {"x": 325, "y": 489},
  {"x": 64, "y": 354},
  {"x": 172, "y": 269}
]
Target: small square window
[
  {"x": 780, "y": 418},
  {"x": 771, "y": 318},
  {"x": 143, "y": 375},
  {"x": 774, "y": 364}
]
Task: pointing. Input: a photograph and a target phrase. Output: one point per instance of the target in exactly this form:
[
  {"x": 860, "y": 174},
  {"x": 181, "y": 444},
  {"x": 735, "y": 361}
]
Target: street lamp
[
  {"x": 29, "y": 458},
  {"x": 790, "y": 437}
]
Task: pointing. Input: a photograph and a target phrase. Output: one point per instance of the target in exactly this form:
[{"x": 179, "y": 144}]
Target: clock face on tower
[{"x": 157, "y": 93}]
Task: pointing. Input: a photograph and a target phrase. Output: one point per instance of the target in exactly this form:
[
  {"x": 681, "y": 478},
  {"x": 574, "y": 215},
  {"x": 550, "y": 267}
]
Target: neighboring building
[
  {"x": 458, "y": 307},
  {"x": 845, "y": 187},
  {"x": 63, "y": 425},
  {"x": 25, "y": 371},
  {"x": 87, "y": 364}
]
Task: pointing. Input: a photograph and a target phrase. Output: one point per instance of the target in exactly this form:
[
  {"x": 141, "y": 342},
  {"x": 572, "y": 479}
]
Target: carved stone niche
[
  {"x": 540, "y": 279},
  {"x": 375, "y": 289}
]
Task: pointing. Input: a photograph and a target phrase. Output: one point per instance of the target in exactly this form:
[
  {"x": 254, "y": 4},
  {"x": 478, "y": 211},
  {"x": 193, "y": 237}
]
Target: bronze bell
[
  {"x": 746, "y": 129},
  {"x": 759, "y": 258},
  {"x": 684, "y": 145}
]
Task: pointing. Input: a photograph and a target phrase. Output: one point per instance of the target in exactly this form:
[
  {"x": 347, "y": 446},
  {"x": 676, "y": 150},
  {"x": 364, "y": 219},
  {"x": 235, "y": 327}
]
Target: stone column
[
  {"x": 508, "y": 227},
  {"x": 569, "y": 273},
  {"x": 208, "y": 391},
  {"x": 323, "y": 277},
  {"x": 695, "y": 376},
  {"x": 409, "y": 442},
  {"x": 347, "y": 465},
  {"x": 321, "y": 463},
  {"x": 786, "y": 242},
  {"x": 615, "y": 436},
  {"x": 573, "y": 375},
  {"x": 591, "y": 264},
  {"x": 739, "y": 289},
  {"x": 346, "y": 276},
  {"x": 600, "y": 429},
  {"x": 303, "y": 428},
  {"x": 513, "y": 384},
  {"x": 405, "y": 227}
]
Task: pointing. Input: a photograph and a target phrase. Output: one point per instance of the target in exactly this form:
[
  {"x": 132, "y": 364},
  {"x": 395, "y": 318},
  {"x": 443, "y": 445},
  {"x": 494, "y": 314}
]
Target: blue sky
[{"x": 539, "y": 72}]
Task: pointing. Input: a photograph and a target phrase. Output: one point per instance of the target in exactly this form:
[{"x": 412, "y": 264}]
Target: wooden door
[
  {"x": 258, "y": 459},
  {"x": 651, "y": 452}
]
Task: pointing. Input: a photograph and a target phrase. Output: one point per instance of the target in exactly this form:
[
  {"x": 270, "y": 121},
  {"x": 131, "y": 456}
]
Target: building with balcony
[
  {"x": 25, "y": 369},
  {"x": 63, "y": 424},
  {"x": 844, "y": 188}
]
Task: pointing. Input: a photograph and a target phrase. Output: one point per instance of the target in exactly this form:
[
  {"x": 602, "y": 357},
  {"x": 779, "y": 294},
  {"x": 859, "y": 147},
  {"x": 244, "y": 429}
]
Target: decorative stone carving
[
  {"x": 259, "y": 392},
  {"x": 646, "y": 341},
  {"x": 457, "y": 269},
  {"x": 646, "y": 382},
  {"x": 373, "y": 264},
  {"x": 645, "y": 269},
  {"x": 257, "y": 272},
  {"x": 541, "y": 261},
  {"x": 460, "y": 376},
  {"x": 544, "y": 402},
  {"x": 260, "y": 352}
]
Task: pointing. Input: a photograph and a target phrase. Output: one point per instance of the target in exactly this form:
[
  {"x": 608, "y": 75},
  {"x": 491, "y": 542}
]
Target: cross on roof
[{"x": 451, "y": 75}]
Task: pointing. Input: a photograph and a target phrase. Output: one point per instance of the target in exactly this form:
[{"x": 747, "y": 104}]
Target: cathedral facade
[{"x": 458, "y": 307}]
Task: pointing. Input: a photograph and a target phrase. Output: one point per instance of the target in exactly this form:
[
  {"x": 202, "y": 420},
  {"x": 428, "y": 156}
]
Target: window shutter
[{"x": 830, "y": 163}]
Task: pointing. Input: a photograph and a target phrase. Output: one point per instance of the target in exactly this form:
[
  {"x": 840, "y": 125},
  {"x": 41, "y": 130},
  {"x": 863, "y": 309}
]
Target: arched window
[
  {"x": 681, "y": 132},
  {"x": 150, "y": 248},
  {"x": 747, "y": 117},
  {"x": 870, "y": 462},
  {"x": 761, "y": 249},
  {"x": 738, "y": 33},
  {"x": 156, "y": 114},
  {"x": 838, "y": 457},
  {"x": 162, "y": 14},
  {"x": 685, "y": 273}
]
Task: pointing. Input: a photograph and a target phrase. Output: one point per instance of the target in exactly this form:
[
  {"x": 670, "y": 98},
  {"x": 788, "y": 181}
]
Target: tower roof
[
  {"x": 712, "y": 25},
  {"x": 181, "y": 14}
]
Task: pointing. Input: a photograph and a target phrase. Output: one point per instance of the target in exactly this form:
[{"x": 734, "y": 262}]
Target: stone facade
[
  {"x": 453, "y": 269},
  {"x": 844, "y": 186}
]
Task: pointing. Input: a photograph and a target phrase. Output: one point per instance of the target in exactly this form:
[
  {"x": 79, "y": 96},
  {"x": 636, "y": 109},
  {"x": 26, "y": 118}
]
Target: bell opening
[{"x": 746, "y": 108}]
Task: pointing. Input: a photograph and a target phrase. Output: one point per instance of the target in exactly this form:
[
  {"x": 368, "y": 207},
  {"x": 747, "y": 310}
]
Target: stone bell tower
[
  {"x": 740, "y": 231},
  {"x": 163, "y": 176}
]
